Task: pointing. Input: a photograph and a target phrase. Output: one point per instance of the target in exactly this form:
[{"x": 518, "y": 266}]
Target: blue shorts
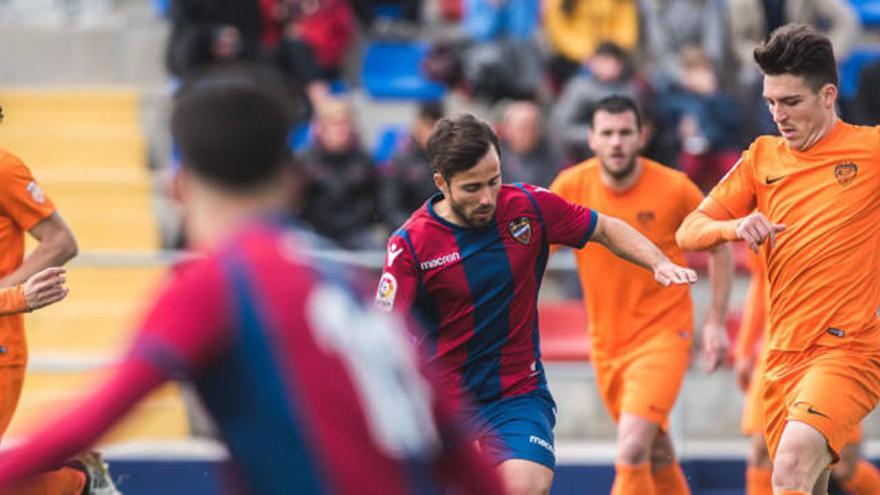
[{"x": 518, "y": 427}]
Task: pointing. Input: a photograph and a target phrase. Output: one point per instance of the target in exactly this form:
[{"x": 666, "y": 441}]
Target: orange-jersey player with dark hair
[
  {"x": 640, "y": 333},
  {"x": 811, "y": 197},
  {"x": 854, "y": 474}
]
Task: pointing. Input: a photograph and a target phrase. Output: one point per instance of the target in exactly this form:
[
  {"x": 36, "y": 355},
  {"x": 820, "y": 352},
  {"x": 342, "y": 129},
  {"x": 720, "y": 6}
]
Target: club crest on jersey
[
  {"x": 386, "y": 292},
  {"x": 521, "y": 230},
  {"x": 845, "y": 173}
]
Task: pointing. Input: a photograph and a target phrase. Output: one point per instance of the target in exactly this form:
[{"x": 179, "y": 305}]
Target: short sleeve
[
  {"x": 400, "y": 277},
  {"x": 20, "y": 197},
  {"x": 187, "y": 327},
  {"x": 736, "y": 191},
  {"x": 566, "y": 223}
]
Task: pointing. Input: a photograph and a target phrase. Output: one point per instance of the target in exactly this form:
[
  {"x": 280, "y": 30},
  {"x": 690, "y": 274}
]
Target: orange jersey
[
  {"x": 824, "y": 273},
  {"x": 625, "y": 306},
  {"x": 752, "y": 335},
  {"x": 22, "y": 205}
]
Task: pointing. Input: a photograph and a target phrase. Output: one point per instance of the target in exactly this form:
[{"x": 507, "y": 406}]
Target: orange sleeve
[
  {"x": 12, "y": 300},
  {"x": 736, "y": 190},
  {"x": 753, "y": 319},
  {"x": 706, "y": 227},
  {"x": 21, "y": 198}
]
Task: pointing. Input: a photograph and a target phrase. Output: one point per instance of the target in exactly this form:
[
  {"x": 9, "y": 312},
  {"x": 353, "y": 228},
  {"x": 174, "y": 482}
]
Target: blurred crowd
[{"x": 538, "y": 65}]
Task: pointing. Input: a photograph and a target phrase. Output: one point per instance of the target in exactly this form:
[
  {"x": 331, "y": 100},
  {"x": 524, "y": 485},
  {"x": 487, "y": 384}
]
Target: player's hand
[
  {"x": 743, "y": 368},
  {"x": 715, "y": 345},
  {"x": 756, "y": 228},
  {"x": 667, "y": 273},
  {"x": 45, "y": 287}
]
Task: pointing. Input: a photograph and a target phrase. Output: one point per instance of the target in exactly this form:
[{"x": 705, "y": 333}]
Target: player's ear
[
  {"x": 439, "y": 181},
  {"x": 829, "y": 95}
]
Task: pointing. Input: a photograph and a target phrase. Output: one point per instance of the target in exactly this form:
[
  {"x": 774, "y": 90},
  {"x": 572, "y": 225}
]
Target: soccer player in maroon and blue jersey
[
  {"x": 468, "y": 264},
  {"x": 313, "y": 390}
]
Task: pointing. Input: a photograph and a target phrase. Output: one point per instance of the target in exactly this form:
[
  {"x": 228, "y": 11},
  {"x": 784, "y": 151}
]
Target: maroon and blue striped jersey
[{"x": 475, "y": 290}]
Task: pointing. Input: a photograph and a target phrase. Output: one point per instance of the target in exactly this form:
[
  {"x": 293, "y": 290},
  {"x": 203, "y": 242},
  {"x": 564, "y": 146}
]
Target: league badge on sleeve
[
  {"x": 386, "y": 292},
  {"x": 36, "y": 192},
  {"x": 521, "y": 230}
]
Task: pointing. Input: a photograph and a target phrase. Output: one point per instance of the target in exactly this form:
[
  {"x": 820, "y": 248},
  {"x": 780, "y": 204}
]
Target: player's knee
[
  {"x": 662, "y": 453},
  {"x": 632, "y": 451},
  {"x": 793, "y": 472},
  {"x": 846, "y": 467},
  {"x": 759, "y": 457}
]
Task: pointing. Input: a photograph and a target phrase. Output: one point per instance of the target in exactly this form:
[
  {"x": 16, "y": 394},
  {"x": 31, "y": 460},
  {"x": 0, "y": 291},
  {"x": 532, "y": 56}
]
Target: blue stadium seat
[
  {"x": 299, "y": 137},
  {"x": 388, "y": 11},
  {"x": 388, "y": 142},
  {"x": 393, "y": 69},
  {"x": 869, "y": 11},
  {"x": 162, "y": 7},
  {"x": 851, "y": 68}
]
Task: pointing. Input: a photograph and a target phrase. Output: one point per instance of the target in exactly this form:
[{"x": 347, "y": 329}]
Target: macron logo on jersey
[
  {"x": 393, "y": 253},
  {"x": 438, "y": 262}
]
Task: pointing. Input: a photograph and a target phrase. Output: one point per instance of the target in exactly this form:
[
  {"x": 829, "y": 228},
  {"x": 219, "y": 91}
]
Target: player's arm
[
  {"x": 400, "y": 278},
  {"x": 56, "y": 247},
  {"x": 82, "y": 426},
  {"x": 715, "y": 341},
  {"x": 42, "y": 289},
  {"x": 627, "y": 243}
]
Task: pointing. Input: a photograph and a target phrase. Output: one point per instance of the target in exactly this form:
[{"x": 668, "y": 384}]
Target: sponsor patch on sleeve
[{"x": 386, "y": 292}]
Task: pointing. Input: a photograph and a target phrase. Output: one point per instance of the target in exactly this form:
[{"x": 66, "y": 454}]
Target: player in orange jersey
[
  {"x": 855, "y": 475},
  {"x": 811, "y": 196},
  {"x": 640, "y": 333},
  {"x": 25, "y": 209}
]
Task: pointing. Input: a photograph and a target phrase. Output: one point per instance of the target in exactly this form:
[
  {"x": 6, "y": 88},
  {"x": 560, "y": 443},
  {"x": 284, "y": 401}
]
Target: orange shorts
[
  {"x": 829, "y": 388},
  {"x": 11, "y": 382},
  {"x": 753, "y": 410},
  {"x": 644, "y": 380}
]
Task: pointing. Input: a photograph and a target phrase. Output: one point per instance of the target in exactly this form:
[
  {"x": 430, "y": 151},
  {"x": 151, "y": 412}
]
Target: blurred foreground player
[
  {"x": 469, "y": 265},
  {"x": 312, "y": 391}
]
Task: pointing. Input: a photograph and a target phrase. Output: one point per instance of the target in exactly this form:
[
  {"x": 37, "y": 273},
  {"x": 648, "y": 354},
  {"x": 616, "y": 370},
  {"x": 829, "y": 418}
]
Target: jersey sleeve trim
[{"x": 594, "y": 221}]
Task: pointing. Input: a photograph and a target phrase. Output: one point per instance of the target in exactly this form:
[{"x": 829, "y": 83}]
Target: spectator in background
[
  {"x": 527, "y": 152},
  {"x": 608, "y": 72},
  {"x": 342, "y": 182},
  {"x": 410, "y": 10},
  {"x": 328, "y": 26},
  {"x": 866, "y": 104},
  {"x": 205, "y": 32},
  {"x": 408, "y": 180},
  {"x": 504, "y": 60},
  {"x": 751, "y": 21},
  {"x": 670, "y": 25},
  {"x": 576, "y": 28},
  {"x": 706, "y": 119}
]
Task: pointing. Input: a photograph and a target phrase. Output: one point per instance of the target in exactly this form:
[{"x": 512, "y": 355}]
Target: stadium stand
[{"x": 392, "y": 69}]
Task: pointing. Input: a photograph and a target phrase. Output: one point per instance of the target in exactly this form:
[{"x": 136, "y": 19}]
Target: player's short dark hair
[
  {"x": 458, "y": 143},
  {"x": 799, "y": 50},
  {"x": 231, "y": 125},
  {"x": 617, "y": 104}
]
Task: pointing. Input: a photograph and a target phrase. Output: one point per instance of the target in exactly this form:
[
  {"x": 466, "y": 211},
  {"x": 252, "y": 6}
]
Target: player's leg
[
  {"x": 854, "y": 474},
  {"x": 801, "y": 460},
  {"x": 665, "y": 469},
  {"x": 517, "y": 433},
  {"x": 523, "y": 477},
  {"x": 759, "y": 470}
]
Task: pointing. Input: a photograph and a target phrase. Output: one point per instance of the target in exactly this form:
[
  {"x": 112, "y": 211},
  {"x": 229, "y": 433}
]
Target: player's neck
[
  {"x": 624, "y": 183},
  {"x": 444, "y": 210},
  {"x": 821, "y": 132},
  {"x": 213, "y": 216}
]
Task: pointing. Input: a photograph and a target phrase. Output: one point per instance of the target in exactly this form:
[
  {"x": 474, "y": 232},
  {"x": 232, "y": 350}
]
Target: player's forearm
[
  {"x": 627, "y": 243},
  {"x": 52, "y": 251},
  {"x": 721, "y": 279},
  {"x": 699, "y": 231}
]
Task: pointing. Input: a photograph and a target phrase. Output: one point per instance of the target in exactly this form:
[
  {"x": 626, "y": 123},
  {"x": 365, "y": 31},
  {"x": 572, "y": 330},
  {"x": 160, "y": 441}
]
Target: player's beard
[
  {"x": 468, "y": 219},
  {"x": 625, "y": 171}
]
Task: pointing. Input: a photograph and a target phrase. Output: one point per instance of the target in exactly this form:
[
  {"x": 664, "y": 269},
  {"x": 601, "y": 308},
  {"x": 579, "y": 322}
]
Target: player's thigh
[
  {"x": 801, "y": 457},
  {"x": 520, "y": 428},
  {"x": 522, "y": 477},
  {"x": 753, "y": 406},
  {"x": 11, "y": 382},
  {"x": 653, "y": 379}
]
